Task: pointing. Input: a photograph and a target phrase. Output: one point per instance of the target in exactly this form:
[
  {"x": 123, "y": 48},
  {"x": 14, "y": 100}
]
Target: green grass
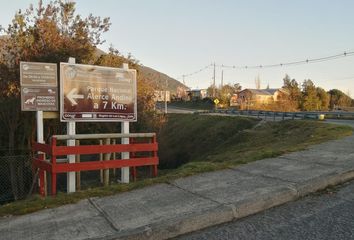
[
  {"x": 189, "y": 137},
  {"x": 197, "y": 144}
]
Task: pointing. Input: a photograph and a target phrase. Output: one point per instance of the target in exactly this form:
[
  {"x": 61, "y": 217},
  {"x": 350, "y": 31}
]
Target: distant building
[
  {"x": 233, "y": 100},
  {"x": 161, "y": 95},
  {"x": 181, "y": 94},
  {"x": 197, "y": 94},
  {"x": 260, "y": 96}
]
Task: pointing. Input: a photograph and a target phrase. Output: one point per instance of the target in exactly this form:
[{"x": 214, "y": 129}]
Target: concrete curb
[
  {"x": 228, "y": 212},
  {"x": 179, "y": 225}
]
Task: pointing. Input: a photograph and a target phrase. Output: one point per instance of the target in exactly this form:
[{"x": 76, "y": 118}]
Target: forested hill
[
  {"x": 156, "y": 77},
  {"x": 160, "y": 79}
]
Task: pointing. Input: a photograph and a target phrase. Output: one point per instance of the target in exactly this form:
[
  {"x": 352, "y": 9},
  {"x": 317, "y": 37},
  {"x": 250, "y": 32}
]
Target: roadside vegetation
[
  {"x": 191, "y": 144},
  {"x": 295, "y": 96},
  {"x": 205, "y": 104}
]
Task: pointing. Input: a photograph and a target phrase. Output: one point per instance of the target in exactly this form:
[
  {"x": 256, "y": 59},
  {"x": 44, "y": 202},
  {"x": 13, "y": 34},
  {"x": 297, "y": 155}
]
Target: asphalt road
[
  {"x": 341, "y": 122},
  {"x": 325, "y": 215}
]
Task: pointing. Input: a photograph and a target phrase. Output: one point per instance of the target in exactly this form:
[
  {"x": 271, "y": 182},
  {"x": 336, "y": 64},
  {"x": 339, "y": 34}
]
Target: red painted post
[
  {"x": 41, "y": 177},
  {"x": 54, "y": 183},
  {"x": 132, "y": 155},
  {"x": 134, "y": 174},
  {"x": 54, "y": 164},
  {"x": 52, "y": 150},
  {"x": 154, "y": 155}
]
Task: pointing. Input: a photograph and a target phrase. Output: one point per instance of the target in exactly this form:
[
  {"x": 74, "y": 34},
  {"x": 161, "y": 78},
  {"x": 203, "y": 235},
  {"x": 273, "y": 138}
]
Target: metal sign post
[
  {"x": 39, "y": 92},
  {"x": 71, "y": 130},
  {"x": 125, "y": 155},
  {"x": 97, "y": 94}
]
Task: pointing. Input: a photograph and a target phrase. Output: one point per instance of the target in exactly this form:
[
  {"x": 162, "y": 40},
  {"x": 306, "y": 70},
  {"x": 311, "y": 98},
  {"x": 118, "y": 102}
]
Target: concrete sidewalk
[{"x": 188, "y": 204}]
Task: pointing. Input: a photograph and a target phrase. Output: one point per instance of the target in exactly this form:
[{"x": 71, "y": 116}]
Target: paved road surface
[
  {"x": 341, "y": 122},
  {"x": 329, "y": 215},
  {"x": 173, "y": 109}
]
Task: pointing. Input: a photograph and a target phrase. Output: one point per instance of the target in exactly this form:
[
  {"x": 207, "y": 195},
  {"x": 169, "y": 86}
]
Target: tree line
[
  {"x": 305, "y": 96},
  {"x": 308, "y": 97}
]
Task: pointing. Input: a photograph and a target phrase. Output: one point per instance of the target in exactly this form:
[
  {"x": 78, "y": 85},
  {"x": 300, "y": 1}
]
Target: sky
[{"x": 182, "y": 36}]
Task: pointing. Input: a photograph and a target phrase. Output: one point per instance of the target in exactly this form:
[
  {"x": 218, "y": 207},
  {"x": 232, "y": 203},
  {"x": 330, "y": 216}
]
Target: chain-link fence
[{"x": 16, "y": 177}]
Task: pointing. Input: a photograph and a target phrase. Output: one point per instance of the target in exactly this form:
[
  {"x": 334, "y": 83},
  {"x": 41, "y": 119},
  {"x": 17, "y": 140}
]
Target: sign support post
[
  {"x": 125, "y": 155},
  {"x": 39, "y": 116},
  {"x": 97, "y": 94},
  {"x": 39, "y": 92},
  {"x": 71, "y": 130},
  {"x": 40, "y": 139}
]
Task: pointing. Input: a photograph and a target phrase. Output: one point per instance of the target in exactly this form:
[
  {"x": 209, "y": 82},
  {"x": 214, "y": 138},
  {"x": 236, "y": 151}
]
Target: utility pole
[
  {"x": 166, "y": 96},
  {"x": 222, "y": 78},
  {"x": 214, "y": 82},
  {"x": 183, "y": 80}
]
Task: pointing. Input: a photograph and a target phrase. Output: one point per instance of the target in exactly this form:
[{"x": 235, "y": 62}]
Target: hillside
[
  {"x": 160, "y": 79},
  {"x": 156, "y": 77}
]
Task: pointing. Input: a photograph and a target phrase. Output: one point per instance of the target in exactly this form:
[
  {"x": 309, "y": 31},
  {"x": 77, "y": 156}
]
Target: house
[
  {"x": 197, "y": 94},
  {"x": 260, "y": 96}
]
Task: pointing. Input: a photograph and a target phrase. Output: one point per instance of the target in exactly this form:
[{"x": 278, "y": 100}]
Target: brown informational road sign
[
  {"x": 39, "y": 99},
  {"x": 39, "y": 86},
  {"x": 93, "y": 93},
  {"x": 35, "y": 74}
]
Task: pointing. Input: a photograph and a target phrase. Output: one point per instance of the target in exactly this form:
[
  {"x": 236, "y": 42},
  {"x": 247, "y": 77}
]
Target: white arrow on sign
[{"x": 72, "y": 95}]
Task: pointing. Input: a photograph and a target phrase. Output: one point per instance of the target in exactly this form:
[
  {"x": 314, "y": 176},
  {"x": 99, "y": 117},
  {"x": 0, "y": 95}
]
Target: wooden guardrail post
[
  {"x": 101, "y": 159},
  {"x": 78, "y": 174},
  {"x": 54, "y": 163},
  {"x": 106, "y": 157},
  {"x": 114, "y": 157}
]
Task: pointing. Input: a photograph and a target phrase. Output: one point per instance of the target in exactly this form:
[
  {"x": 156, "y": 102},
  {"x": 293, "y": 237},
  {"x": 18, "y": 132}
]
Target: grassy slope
[
  {"x": 189, "y": 137},
  {"x": 209, "y": 143}
]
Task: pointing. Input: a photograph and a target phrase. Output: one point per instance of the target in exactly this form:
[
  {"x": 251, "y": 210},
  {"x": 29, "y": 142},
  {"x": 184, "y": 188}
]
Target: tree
[
  {"x": 237, "y": 87},
  {"x": 148, "y": 118},
  {"x": 225, "y": 92},
  {"x": 324, "y": 98},
  {"x": 292, "y": 87},
  {"x": 310, "y": 100},
  {"x": 338, "y": 98},
  {"x": 49, "y": 33}
]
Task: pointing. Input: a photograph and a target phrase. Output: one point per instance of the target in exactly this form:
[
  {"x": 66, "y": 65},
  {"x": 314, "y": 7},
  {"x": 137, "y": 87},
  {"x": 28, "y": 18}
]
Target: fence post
[
  {"x": 54, "y": 163},
  {"x": 101, "y": 159},
  {"x": 71, "y": 130},
  {"x": 125, "y": 155},
  {"x": 107, "y": 156},
  {"x": 155, "y": 155},
  {"x": 41, "y": 176},
  {"x": 132, "y": 155},
  {"x": 78, "y": 174},
  {"x": 114, "y": 156}
]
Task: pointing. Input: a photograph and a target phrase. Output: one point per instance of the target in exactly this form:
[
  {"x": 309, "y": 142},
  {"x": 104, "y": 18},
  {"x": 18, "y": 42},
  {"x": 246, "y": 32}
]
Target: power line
[
  {"x": 195, "y": 72},
  {"x": 284, "y": 64},
  {"x": 306, "y": 61}
]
